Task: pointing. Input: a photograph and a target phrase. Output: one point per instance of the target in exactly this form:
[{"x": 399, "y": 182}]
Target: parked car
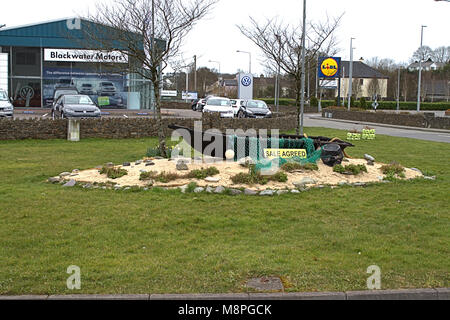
[
  {"x": 87, "y": 89},
  {"x": 64, "y": 83},
  {"x": 219, "y": 105},
  {"x": 60, "y": 92},
  {"x": 6, "y": 108},
  {"x": 254, "y": 109},
  {"x": 194, "y": 104},
  {"x": 237, "y": 104},
  {"x": 106, "y": 88},
  {"x": 75, "y": 106}
]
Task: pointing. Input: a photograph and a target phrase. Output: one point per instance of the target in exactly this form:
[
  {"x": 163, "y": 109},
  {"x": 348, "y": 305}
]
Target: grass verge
[{"x": 167, "y": 242}]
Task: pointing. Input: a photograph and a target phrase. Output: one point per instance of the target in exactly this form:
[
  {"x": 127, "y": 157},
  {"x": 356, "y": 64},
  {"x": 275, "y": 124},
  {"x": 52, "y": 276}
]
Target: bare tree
[
  {"x": 281, "y": 45},
  {"x": 373, "y": 88},
  {"x": 424, "y": 53},
  {"x": 442, "y": 54},
  {"x": 149, "y": 33}
]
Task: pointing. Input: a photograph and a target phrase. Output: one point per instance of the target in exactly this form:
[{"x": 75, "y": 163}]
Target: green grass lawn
[{"x": 168, "y": 242}]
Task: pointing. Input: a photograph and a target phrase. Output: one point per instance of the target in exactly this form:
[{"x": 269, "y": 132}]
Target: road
[{"x": 311, "y": 120}]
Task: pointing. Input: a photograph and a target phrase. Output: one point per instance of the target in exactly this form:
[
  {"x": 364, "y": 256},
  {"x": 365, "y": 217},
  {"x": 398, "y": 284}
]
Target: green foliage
[
  {"x": 314, "y": 102},
  {"x": 393, "y": 171},
  {"x": 114, "y": 173},
  {"x": 294, "y": 166},
  {"x": 203, "y": 173},
  {"x": 166, "y": 177},
  {"x": 148, "y": 175},
  {"x": 253, "y": 177},
  {"x": 155, "y": 152},
  {"x": 362, "y": 102},
  {"x": 351, "y": 169},
  {"x": 191, "y": 187}
]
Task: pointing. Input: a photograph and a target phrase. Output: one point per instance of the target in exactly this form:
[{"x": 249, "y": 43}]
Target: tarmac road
[{"x": 315, "y": 120}]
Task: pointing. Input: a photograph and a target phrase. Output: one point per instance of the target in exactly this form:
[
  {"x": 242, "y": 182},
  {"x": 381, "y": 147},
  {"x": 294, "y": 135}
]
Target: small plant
[
  {"x": 351, "y": 169},
  {"x": 203, "y": 173},
  {"x": 393, "y": 170},
  {"x": 339, "y": 168},
  {"x": 294, "y": 166},
  {"x": 114, "y": 173},
  {"x": 191, "y": 187},
  {"x": 166, "y": 177},
  {"x": 155, "y": 152},
  {"x": 148, "y": 175},
  {"x": 253, "y": 177}
]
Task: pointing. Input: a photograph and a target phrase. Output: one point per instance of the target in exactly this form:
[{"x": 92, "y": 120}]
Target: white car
[
  {"x": 6, "y": 108},
  {"x": 237, "y": 104},
  {"x": 219, "y": 105}
]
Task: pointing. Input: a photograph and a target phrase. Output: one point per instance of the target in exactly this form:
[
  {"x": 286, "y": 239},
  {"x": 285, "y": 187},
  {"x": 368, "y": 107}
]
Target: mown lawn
[{"x": 168, "y": 242}]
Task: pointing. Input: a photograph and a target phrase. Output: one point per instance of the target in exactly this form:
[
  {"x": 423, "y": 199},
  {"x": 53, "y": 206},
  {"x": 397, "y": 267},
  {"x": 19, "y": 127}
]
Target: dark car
[
  {"x": 60, "y": 92},
  {"x": 254, "y": 109},
  {"x": 75, "y": 106},
  {"x": 194, "y": 104}
]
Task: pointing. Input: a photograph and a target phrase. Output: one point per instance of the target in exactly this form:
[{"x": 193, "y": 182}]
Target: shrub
[
  {"x": 114, "y": 173},
  {"x": 155, "y": 152},
  {"x": 191, "y": 187},
  {"x": 350, "y": 169},
  {"x": 393, "y": 170},
  {"x": 294, "y": 166},
  {"x": 148, "y": 175},
  {"x": 253, "y": 177},
  {"x": 362, "y": 102},
  {"x": 203, "y": 173},
  {"x": 166, "y": 177}
]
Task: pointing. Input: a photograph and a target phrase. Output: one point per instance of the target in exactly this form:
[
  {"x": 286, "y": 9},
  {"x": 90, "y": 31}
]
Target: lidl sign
[{"x": 329, "y": 67}]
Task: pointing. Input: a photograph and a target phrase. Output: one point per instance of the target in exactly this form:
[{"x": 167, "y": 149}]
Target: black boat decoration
[{"x": 208, "y": 137}]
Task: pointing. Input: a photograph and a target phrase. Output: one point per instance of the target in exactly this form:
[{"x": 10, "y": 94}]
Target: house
[
  {"x": 426, "y": 66},
  {"x": 367, "y": 81}
]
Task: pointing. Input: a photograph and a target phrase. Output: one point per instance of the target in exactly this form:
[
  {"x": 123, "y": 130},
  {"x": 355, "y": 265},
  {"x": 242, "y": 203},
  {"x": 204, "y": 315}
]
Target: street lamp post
[
  {"x": 350, "y": 75},
  {"x": 250, "y": 59},
  {"x": 398, "y": 89},
  {"x": 419, "y": 87},
  {"x": 302, "y": 96},
  {"x": 277, "y": 81}
]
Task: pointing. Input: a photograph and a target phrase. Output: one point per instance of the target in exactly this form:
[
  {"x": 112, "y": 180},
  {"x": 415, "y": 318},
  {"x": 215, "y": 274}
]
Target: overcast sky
[{"x": 383, "y": 28}]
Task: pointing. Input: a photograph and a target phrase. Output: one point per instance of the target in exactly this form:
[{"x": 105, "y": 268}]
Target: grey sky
[{"x": 383, "y": 28}]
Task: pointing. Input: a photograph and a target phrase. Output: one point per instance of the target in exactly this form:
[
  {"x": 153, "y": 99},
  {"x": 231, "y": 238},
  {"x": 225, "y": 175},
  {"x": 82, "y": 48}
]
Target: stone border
[{"x": 412, "y": 294}]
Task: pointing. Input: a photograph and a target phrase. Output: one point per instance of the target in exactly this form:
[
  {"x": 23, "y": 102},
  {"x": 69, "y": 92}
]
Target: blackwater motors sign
[{"x": 64, "y": 55}]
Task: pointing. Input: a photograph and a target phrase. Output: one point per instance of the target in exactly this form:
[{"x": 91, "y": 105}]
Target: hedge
[{"x": 383, "y": 105}]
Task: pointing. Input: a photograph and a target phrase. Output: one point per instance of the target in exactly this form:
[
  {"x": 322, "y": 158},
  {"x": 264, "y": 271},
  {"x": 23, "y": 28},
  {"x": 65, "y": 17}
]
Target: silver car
[
  {"x": 75, "y": 106},
  {"x": 6, "y": 108}
]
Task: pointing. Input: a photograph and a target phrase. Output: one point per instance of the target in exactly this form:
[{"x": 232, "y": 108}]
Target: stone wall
[
  {"x": 122, "y": 128},
  {"x": 422, "y": 120}
]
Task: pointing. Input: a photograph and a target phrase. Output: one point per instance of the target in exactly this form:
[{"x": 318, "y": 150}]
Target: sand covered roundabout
[{"x": 187, "y": 174}]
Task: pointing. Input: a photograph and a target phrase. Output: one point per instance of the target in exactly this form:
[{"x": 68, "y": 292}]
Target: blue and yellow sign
[{"x": 329, "y": 67}]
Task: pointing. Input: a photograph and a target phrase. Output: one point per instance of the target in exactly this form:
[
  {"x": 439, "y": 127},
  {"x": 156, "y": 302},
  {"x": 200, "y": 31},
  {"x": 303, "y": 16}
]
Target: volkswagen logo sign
[{"x": 246, "y": 81}]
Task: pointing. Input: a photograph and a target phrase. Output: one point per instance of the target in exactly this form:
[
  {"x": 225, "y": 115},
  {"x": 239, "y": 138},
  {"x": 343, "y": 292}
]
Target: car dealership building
[{"x": 36, "y": 60}]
